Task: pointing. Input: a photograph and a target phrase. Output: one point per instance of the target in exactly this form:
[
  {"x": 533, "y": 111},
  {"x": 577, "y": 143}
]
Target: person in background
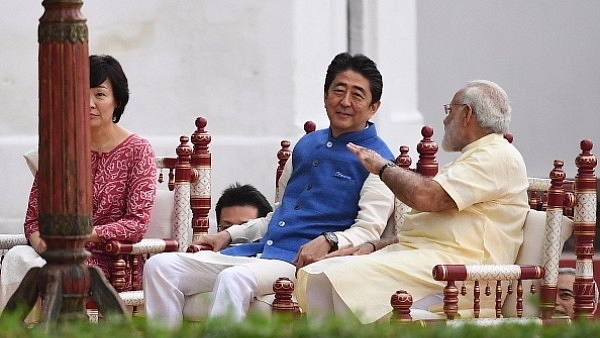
[
  {"x": 329, "y": 201},
  {"x": 124, "y": 187},
  {"x": 240, "y": 203},
  {"x": 565, "y": 301}
]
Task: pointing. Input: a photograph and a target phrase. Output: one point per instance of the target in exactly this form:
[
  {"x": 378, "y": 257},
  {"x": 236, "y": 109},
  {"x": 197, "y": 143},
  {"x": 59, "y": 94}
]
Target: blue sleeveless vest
[{"x": 322, "y": 193}]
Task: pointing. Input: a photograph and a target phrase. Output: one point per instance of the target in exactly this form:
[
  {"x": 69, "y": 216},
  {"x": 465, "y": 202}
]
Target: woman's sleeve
[{"x": 31, "y": 224}]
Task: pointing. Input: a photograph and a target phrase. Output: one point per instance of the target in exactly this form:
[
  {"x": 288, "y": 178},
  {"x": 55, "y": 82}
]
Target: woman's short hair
[{"x": 103, "y": 67}]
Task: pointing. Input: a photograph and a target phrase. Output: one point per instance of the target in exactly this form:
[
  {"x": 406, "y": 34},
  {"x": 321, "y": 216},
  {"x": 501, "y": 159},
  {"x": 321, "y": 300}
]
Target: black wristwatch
[{"x": 331, "y": 239}]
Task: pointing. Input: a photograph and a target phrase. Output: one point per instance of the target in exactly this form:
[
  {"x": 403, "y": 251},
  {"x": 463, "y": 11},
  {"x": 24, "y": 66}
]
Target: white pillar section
[{"x": 387, "y": 32}]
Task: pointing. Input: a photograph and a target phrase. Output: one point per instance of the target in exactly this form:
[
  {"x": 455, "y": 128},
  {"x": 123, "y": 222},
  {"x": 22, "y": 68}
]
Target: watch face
[
  {"x": 334, "y": 238},
  {"x": 331, "y": 238}
]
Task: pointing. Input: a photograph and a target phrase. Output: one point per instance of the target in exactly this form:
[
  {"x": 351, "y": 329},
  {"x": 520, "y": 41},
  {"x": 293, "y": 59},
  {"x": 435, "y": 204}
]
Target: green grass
[{"x": 256, "y": 326}]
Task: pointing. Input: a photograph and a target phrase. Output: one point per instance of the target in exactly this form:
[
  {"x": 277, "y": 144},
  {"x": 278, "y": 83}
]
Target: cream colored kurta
[{"x": 488, "y": 182}]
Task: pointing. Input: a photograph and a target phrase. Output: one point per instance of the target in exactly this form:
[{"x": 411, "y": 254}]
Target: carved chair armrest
[
  {"x": 7, "y": 241},
  {"x": 145, "y": 246},
  {"x": 132, "y": 298},
  {"x": 452, "y": 273},
  {"x": 126, "y": 255}
]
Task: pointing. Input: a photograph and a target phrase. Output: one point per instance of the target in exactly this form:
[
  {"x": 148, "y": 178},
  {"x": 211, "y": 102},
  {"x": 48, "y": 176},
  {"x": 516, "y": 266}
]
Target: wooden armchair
[
  {"x": 537, "y": 260},
  {"x": 195, "y": 306},
  {"x": 180, "y": 213}
]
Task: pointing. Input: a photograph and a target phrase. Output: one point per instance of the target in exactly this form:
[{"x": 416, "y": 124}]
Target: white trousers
[
  {"x": 15, "y": 265},
  {"x": 17, "y": 261},
  {"x": 233, "y": 281}
]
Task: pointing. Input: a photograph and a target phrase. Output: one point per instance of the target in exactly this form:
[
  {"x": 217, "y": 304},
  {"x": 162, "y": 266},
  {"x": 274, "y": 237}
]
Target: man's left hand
[{"x": 311, "y": 252}]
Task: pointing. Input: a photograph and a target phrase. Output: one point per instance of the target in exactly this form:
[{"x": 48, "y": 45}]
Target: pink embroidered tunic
[{"x": 124, "y": 191}]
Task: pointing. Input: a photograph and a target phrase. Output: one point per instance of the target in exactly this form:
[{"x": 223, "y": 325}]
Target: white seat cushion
[
  {"x": 161, "y": 217},
  {"x": 31, "y": 158},
  {"x": 531, "y": 252}
]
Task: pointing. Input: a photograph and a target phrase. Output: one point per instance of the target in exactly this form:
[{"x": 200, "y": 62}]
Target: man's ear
[
  {"x": 374, "y": 107},
  {"x": 469, "y": 115}
]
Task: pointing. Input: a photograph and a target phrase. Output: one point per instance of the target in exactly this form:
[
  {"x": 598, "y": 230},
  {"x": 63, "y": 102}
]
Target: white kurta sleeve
[{"x": 376, "y": 205}]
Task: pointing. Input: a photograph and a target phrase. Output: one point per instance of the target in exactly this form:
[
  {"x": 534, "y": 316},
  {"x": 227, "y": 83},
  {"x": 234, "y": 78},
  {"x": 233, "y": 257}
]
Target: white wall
[
  {"x": 545, "y": 55},
  {"x": 255, "y": 70}
]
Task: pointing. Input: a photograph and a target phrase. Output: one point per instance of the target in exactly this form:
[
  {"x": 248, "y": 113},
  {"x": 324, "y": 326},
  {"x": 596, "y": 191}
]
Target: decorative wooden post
[
  {"x": 182, "y": 190},
  {"x": 427, "y": 148},
  {"x": 283, "y": 155},
  {"x": 65, "y": 187},
  {"x": 283, "y": 288},
  {"x": 200, "y": 179},
  {"x": 401, "y": 302},
  {"x": 585, "y": 231},
  {"x": 551, "y": 257}
]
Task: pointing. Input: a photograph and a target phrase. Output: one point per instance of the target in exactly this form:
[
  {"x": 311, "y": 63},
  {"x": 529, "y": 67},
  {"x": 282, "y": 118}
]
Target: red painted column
[{"x": 65, "y": 212}]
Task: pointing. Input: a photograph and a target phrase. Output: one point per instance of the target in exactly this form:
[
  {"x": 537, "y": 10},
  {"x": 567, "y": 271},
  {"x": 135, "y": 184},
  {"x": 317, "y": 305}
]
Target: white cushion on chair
[
  {"x": 533, "y": 237},
  {"x": 161, "y": 217},
  {"x": 31, "y": 157},
  {"x": 531, "y": 253}
]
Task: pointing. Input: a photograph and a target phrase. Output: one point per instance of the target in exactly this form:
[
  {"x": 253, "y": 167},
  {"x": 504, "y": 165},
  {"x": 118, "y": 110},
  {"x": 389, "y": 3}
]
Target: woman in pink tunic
[{"x": 123, "y": 176}]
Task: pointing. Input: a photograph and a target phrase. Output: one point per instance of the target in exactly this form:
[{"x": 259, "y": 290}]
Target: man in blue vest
[{"x": 329, "y": 201}]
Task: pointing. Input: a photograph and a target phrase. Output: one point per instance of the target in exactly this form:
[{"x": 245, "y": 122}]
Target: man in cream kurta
[{"x": 477, "y": 206}]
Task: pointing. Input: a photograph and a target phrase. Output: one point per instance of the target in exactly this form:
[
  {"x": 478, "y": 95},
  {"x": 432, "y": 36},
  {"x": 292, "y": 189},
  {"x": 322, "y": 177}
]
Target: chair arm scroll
[
  {"x": 10, "y": 240},
  {"x": 145, "y": 246},
  {"x": 461, "y": 272},
  {"x": 452, "y": 273}
]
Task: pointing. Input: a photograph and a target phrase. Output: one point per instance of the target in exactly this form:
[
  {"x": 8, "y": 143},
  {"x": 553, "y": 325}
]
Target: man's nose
[{"x": 346, "y": 100}]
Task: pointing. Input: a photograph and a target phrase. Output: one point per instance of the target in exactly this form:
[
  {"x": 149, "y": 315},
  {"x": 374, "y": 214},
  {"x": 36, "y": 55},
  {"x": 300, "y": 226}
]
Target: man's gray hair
[
  {"x": 572, "y": 271},
  {"x": 489, "y": 103}
]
